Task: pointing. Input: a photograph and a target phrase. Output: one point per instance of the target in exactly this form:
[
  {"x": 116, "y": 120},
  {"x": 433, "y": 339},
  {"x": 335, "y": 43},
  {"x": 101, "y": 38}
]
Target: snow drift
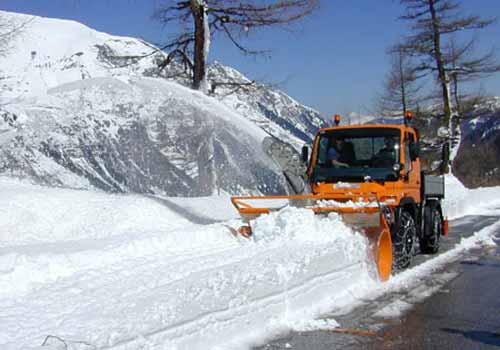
[
  {"x": 94, "y": 270},
  {"x": 128, "y": 268}
]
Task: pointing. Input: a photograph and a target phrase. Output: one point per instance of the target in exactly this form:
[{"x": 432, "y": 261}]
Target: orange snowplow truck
[{"x": 371, "y": 176}]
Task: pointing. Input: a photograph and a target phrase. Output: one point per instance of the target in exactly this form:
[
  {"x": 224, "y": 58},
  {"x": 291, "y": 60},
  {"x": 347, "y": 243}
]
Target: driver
[
  {"x": 341, "y": 155},
  {"x": 386, "y": 156}
]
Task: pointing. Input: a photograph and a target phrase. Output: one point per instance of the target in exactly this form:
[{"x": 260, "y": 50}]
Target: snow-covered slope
[
  {"x": 50, "y": 52},
  {"x": 85, "y": 109}
]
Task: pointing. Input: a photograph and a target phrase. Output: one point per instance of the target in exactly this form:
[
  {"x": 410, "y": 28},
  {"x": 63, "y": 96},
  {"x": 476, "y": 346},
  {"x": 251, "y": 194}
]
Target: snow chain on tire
[
  {"x": 404, "y": 240},
  {"x": 433, "y": 227}
]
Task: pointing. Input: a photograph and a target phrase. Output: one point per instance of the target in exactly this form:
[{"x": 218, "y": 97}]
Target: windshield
[{"x": 354, "y": 154}]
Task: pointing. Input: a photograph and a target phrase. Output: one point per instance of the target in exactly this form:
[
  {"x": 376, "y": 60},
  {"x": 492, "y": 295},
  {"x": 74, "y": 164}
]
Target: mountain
[
  {"x": 476, "y": 156},
  {"x": 477, "y": 162},
  {"x": 84, "y": 109},
  {"x": 272, "y": 110}
]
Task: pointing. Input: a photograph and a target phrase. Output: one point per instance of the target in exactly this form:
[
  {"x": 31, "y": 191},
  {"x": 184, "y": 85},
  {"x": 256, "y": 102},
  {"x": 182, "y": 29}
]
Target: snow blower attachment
[{"x": 366, "y": 217}]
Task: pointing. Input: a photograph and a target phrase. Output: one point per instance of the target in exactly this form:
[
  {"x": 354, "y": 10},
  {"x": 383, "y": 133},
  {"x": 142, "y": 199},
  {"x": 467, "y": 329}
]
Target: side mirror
[
  {"x": 414, "y": 150},
  {"x": 305, "y": 154}
]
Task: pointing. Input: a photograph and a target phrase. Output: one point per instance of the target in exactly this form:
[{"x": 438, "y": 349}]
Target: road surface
[{"x": 463, "y": 313}]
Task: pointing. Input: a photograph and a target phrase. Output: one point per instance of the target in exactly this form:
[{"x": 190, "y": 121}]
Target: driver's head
[{"x": 339, "y": 143}]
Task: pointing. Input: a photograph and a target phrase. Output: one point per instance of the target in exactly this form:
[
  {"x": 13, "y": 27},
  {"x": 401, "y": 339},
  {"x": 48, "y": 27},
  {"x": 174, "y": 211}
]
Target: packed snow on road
[{"x": 86, "y": 269}]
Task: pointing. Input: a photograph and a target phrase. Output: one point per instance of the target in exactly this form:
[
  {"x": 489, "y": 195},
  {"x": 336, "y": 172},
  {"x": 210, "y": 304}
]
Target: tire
[
  {"x": 433, "y": 227},
  {"x": 404, "y": 240}
]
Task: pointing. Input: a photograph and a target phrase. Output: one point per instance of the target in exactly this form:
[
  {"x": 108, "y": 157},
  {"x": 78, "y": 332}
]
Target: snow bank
[
  {"x": 461, "y": 201},
  {"x": 131, "y": 272},
  {"x": 48, "y": 233},
  {"x": 127, "y": 272},
  {"x": 314, "y": 325},
  {"x": 31, "y": 214}
]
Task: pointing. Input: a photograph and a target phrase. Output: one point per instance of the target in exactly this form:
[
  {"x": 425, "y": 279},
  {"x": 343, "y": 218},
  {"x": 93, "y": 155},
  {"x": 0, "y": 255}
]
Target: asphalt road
[{"x": 462, "y": 313}]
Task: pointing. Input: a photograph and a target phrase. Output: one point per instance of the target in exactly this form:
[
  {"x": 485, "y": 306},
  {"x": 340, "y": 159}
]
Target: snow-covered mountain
[
  {"x": 478, "y": 159},
  {"x": 272, "y": 110},
  {"x": 80, "y": 108}
]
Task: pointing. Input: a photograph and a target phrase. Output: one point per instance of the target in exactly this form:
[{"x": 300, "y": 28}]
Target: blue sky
[{"x": 333, "y": 61}]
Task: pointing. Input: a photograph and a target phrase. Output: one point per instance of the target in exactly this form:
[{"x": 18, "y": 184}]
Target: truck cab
[{"x": 381, "y": 159}]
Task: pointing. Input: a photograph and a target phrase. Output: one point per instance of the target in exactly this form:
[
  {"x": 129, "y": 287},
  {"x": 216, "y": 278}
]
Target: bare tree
[
  {"x": 432, "y": 21},
  {"x": 464, "y": 65},
  {"x": 200, "y": 20},
  {"x": 400, "y": 90}
]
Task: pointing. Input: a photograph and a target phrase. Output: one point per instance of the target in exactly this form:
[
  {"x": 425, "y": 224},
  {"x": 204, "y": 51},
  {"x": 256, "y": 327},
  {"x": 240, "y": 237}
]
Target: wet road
[{"x": 462, "y": 313}]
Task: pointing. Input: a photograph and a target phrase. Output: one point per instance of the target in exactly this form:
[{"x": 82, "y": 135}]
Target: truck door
[{"x": 412, "y": 167}]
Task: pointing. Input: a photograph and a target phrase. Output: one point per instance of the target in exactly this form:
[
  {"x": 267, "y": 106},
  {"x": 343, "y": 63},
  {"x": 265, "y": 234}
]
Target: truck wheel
[
  {"x": 433, "y": 226},
  {"x": 403, "y": 241}
]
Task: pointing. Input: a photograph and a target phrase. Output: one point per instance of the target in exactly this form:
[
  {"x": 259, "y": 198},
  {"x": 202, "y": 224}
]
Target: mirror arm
[{"x": 305, "y": 154}]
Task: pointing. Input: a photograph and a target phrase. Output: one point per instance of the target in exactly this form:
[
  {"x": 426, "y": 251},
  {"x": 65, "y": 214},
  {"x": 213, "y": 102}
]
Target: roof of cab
[{"x": 401, "y": 127}]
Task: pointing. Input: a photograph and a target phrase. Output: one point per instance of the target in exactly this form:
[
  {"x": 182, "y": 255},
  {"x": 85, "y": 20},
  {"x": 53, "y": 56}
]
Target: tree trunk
[
  {"x": 456, "y": 95},
  {"x": 443, "y": 77},
  {"x": 403, "y": 83},
  {"x": 198, "y": 9}
]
